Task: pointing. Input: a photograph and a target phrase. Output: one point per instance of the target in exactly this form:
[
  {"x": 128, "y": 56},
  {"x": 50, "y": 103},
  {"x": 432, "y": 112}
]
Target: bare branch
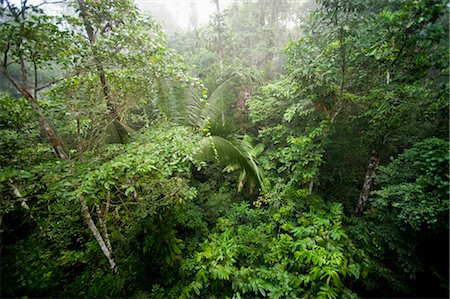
[
  {"x": 98, "y": 237},
  {"x": 16, "y": 84},
  {"x": 50, "y": 3},
  {"x": 35, "y": 80},
  {"x": 52, "y": 83},
  {"x": 5, "y": 55}
]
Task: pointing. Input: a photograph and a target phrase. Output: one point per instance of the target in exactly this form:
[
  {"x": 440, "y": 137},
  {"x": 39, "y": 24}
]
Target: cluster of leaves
[
  {"x": 410, "y": 217},
  {"x": 415, "y": 186},
  {"x": 298, "y": 250},
  {"x": 132, "y": 168},
  {"x": 295, "y": 156},
  {"x": 17, "y": 128}
]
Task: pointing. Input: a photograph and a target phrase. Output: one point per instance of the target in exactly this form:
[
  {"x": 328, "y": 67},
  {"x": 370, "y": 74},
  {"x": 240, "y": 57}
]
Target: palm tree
[{"x": 221, "y": 141}]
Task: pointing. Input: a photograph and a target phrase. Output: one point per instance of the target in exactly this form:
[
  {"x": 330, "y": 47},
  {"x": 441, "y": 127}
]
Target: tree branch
[
  {"x": 102, "y": 221},
  {"x": 5, "y": 55},
  {"x": 51, "y": 83},
  {"x": 35, "y": 80},
  {"x": 98, "y": 237},
  {"x": 16, "y": 85}
]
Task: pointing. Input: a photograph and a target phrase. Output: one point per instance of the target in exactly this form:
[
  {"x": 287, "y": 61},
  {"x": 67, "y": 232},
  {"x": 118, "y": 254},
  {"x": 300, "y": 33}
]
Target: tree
[
  {"x": 328, "y": 84},
  {"x": 122, "y": 66},
  {"x": 31, "y": 41},
  {"x": 130, "y": 191},
  {"x": 410, "y": 211},
  {"x": 394, "y": 55},
  {"x": 99, "y": 19},
  {"x": 210, "y": 115}
]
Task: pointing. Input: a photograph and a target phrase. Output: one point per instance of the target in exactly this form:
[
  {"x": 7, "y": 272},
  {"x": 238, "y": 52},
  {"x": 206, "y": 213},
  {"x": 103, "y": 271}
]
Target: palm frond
[
  {"x": 117, "y": 132},
  {"x": 224, "y": 128},
  {"x": 183, "y": 104},
  {"x": 215, "y": 147},
  {"x": 194, "y": 111},
  {"x": 226, "y": 94}
]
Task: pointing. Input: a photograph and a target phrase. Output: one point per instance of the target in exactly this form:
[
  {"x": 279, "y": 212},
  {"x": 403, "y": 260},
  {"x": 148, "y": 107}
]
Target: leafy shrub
[{"x": 299, "y": 250}]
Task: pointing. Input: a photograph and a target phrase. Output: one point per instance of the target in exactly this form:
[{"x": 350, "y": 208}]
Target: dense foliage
[
  {"x": 281, "y": 151},
  {"x": 297, "y": 250}
]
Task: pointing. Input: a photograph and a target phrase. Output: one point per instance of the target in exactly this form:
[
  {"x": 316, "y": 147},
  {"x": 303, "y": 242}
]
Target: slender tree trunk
[
  {"x": 343, "y": 62},
  {"x": 51, "y": 134},
  {"x": 370, "y": 173},
  {"x": 368, "y": 182},
  {"x": 55, "y": 141},
  {"x": 102, "y": 221},
  {"x": 311, "y": 187},
  {"x": 244, "y": 95},
  {"x": 112, "y": 109},
  {"x": 220, "y": 29},
  {"x": 100, "y": 70},
  {"x": 98, "y": 237},
  {"x": 262, "y": 13},
  {"x": 340, "y": 103},
  {"x": 80, "y": 141},
  {"x": 273, "y": 21},
  {"x": 343, "y": 68}
]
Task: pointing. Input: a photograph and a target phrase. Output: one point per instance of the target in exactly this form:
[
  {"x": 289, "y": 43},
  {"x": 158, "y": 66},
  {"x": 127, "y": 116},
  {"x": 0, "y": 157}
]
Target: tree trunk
[
  {"x": 102, "y": 221},
  {"x": 220, "y": 29},
  {"x": 101, "y": 72},
  {"x": 54, "y": 139},
  {"x": 343, "y": 61},
  {"x": 310, "y": 187},
  {"x": 90, "y": 223},
  {"x": 244, "y": 95},
  {"x": 112, "y": 109},
  {"x": 368, "y": 182},
  {"x": 52, "y": 136},
  {"x": 262, "y": 13}
]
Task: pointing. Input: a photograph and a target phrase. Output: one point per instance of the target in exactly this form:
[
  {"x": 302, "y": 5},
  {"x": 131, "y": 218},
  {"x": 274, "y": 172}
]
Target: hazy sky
[
  {"x": 173, "y": 15},
  {"x": 176, "y": 15},
  {"x": 181, "y": 14}
]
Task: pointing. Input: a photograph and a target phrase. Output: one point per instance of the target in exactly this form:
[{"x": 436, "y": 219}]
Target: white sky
[
  {"x": 171, "y": 14},
  {"x": 179, "y": 12},
  {"x": 175, "y": 14}
]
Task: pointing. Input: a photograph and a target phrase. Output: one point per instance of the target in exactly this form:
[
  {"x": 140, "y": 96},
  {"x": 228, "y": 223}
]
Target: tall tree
[
  {"x": 30, "y": 41},
  {"x": 98, "y": 20}
]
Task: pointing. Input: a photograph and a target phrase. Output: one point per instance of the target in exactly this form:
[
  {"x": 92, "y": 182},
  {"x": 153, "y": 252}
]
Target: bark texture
[
  {"x": 98, "y": 237},
  {"x": 368, "y": 183}
]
